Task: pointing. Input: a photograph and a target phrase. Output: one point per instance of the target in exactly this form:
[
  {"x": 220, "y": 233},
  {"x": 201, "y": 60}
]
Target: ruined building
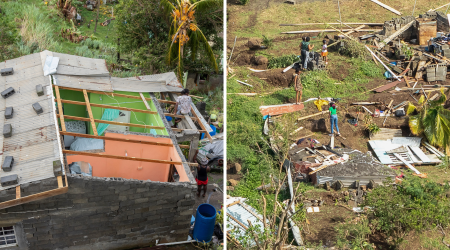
[{"x": 90, "y": 161}]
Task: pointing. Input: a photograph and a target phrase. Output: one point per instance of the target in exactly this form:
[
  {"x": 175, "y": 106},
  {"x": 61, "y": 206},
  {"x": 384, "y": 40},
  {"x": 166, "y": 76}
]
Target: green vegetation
[
  {"x": 433, "y": 120},
  {"x": 185, "y": 35},
  {"x": 281, "y": 61},
  {"x": 354, "y": 234},
  {"x": 417, "y": 204}
]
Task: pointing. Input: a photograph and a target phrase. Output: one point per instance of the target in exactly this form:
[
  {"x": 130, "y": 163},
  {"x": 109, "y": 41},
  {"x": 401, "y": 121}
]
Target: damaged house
[{"x": 90, "y": 161}]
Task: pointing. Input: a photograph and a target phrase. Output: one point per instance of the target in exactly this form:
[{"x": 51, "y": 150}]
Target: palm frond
[
  {"x": 167, "y": 7},
  {"x": 415, "y": 124},
  {"x": 410, "y": 109},
  {"x": 193, "y": 44},
  {"x": 208, "y": 49},
  {"x": 204, "y": 5},
  {"x": 439, "y": 101}
]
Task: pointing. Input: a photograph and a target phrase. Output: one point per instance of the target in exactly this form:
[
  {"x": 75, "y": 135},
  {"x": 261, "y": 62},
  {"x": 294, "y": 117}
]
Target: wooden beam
[
  {"x": 58, "y": 100},
  {"x": 91, "y": 117},
  {"x": 234, "y": 203},
  {"x": 145, "y": 101},
  {"x": 184, "y": 146},
  {"x": 112, "y": 122},
  {"x": 60, "y": 183},
  {"x": 109, "y": 107},
  {"x": 308, "y": 116},
  {"x": 33, "y": 197},
  {"x": 238, "y": 222},
  {"x": 201, "y": 125},
  {"x": 121, "y": 157},
  {"x": 18, "y": 195},
  {"x": 115, "y": 94},
  {"x": 123, "y": 108},
  {"x": 118, "y": 139}
]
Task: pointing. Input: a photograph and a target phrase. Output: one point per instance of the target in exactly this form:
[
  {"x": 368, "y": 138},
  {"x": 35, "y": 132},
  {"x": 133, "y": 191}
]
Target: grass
[{"x": 315, "y": 12}]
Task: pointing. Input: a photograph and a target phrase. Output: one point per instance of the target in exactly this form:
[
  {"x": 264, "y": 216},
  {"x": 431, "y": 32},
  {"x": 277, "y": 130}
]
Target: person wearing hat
[{"x": 334, "y": 117}]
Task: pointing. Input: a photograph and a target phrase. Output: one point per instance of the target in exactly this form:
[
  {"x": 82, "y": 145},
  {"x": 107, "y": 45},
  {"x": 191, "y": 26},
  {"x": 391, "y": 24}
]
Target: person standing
[
  {"x": 325, "y": 51},
  {"x": 202, "y": 176},
  {"x": 334, "y": 118},
  {"x": 306, "y": 47},
  {"x": 298, "y": 86}
]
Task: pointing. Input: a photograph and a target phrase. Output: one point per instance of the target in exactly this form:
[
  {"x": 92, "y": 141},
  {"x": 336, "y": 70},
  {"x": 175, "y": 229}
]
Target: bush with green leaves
[
  {"x": 354, "y": 234},
  {"x": 415, "y": 204},
  {"x": 281, "y": 61},
  {"x": 267, "y": 42}
]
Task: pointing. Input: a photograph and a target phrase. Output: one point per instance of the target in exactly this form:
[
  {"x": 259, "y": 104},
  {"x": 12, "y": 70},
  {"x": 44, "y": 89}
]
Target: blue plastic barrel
[
  {"x": 213, "y": 133},
  {"x": 205, "y": 220},
  {"x": 168, "y": 118}
]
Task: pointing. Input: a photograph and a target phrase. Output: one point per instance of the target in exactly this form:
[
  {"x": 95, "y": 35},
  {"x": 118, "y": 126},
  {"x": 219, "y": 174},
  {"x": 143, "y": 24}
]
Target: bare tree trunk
[{"x": 96, "y": 20}]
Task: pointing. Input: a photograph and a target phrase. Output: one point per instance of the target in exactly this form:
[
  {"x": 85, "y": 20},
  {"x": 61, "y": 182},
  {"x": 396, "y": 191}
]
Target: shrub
[
  {"x": 417, "y": 204},
  {"x": 281, "y": 61}
]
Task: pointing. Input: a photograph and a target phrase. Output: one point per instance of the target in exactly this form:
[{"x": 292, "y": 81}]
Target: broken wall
[
  {"x": 101, "y": 213},
  {"x": 442, "y": 22}
]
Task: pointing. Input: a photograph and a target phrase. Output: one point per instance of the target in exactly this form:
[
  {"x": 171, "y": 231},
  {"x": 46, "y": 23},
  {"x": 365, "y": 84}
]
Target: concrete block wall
[
  {"x": 102, "y": 213},
  {"x": 442, "y": 22}
]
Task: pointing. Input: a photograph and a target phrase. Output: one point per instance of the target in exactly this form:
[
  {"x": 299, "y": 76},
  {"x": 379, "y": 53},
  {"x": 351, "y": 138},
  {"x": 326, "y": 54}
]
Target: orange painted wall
[{"x": 105, "y": 167}]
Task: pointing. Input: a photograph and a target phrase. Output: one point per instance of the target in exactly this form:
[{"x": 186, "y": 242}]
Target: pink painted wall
[{"x": 105, "y": 167}]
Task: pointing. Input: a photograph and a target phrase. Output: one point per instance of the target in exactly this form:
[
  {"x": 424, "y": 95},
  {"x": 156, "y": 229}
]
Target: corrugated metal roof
[
  {"x": 414, "y": 154},
  {"x": 34, "y": 143},
  {"x": 240, "y": 213},
  {"x": 135, "y": 85}
]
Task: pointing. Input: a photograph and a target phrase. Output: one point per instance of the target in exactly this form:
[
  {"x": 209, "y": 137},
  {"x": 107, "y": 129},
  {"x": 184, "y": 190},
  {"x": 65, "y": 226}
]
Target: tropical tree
[
  {"x": 432, "y": 120},
  {"x": 185, "y": 37}
]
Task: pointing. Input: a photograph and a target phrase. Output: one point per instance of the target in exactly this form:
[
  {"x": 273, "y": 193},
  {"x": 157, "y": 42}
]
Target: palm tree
[
  {"x": 433, "y": 120},
  {"x": 184, "y": 32}
]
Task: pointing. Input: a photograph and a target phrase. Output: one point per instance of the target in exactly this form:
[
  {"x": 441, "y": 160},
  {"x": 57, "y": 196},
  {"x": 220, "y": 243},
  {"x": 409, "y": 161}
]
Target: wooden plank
[
  {"x": 121, "y": 157},
  {"x": 60, "y": 182},
  {"x": 33, "y": 197},
  {"x": 145, "y": 101},
  {"x": 387, "y": 86},
  {"x": 407, "y": 81},
  {"x": 201, "y": 123},
  {"x": 307, "y": 24},
  {"x": 118, "y": 139},
  {"x": 327, "y": 30},
  {"x": 18, "y": 195},
  {"x": 109, "y": 107},
  {"x": 280, "y": 109},
  {"x": 396, "y": 34},
  {"x": 308, "y": 116},
  {"x": 91, "y": 117},
  {"x": 406, "y": 163},
  {"x": 184, "y": 146},
  {"x": 115, "y": 94},
  {"x": 234, "y": 203},
  {"x": 387, "y": 7},
  {"x": 112, "y": 122},
  {"x": 60, "y": 110},
  {"x": 238, "y": 222}
]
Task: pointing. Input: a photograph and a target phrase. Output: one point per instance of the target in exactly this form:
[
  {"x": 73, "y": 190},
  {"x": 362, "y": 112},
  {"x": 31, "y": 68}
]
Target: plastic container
[
  {"x": 213, "y": 133},
  {"x": 168, "y": 118},
  {"x": 205, "y": 220}
]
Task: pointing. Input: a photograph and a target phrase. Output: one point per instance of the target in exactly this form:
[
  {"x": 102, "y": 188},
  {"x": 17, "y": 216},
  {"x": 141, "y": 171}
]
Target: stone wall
[{"x": 101, "y": 213}]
